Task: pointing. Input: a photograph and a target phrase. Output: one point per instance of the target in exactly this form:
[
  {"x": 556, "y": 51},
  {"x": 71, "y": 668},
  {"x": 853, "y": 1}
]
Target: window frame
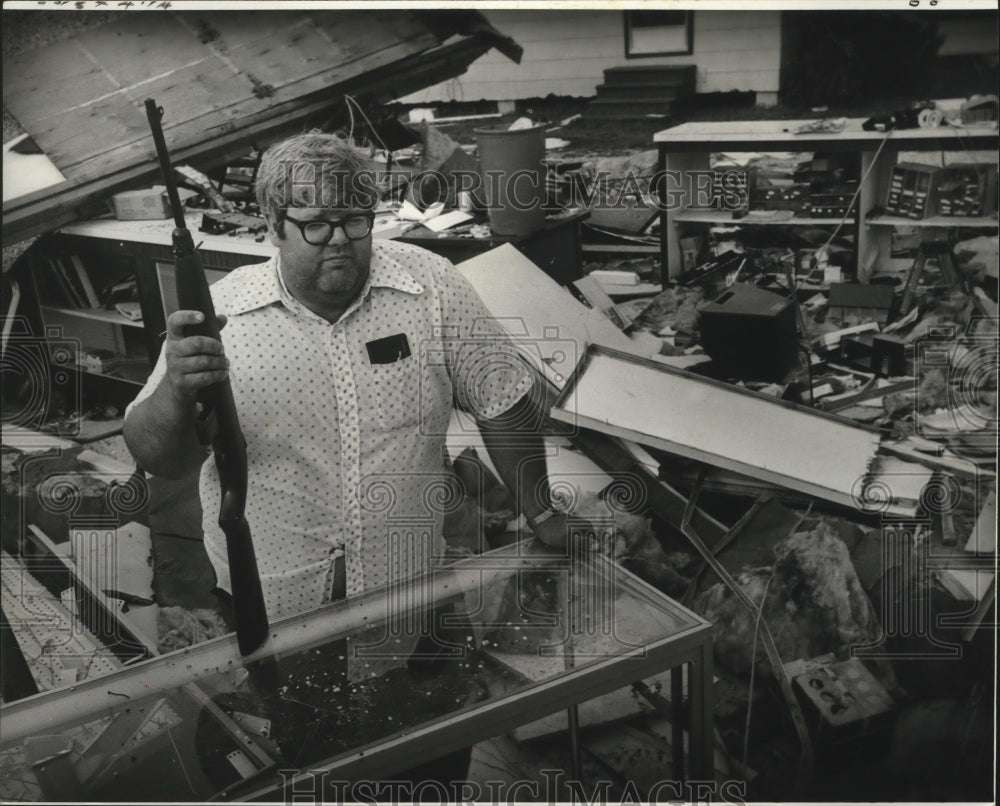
[{"x": 688, "y": 38}]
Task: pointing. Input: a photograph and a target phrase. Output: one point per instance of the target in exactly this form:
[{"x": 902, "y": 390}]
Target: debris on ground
[
  {"x": 810, "y": 598},
  {"x": 179, "y": 627}
]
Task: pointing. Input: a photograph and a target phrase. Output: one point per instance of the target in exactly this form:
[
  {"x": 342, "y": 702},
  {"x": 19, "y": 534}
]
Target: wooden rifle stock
[{"x": 218, "y": 406}]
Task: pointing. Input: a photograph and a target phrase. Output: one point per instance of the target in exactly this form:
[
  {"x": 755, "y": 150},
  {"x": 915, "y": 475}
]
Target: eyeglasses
[{"x": 318, "y": 231}]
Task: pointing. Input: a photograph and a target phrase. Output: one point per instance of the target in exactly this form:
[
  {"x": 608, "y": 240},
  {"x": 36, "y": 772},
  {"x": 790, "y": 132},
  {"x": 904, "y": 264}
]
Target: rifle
[{"x": 228, "y": 444}]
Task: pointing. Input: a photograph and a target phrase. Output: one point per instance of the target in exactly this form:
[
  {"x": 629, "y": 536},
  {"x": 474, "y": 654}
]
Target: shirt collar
[{"x": 265, "y": 287}]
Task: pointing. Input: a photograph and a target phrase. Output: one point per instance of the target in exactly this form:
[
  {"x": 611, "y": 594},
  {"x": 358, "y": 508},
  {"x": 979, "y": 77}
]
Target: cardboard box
[{"x": 139, "y": 205}]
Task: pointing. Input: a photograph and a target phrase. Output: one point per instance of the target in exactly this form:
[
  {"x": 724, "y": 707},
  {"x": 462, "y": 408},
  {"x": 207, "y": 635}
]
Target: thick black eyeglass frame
[{"x": 332, "y": 223}]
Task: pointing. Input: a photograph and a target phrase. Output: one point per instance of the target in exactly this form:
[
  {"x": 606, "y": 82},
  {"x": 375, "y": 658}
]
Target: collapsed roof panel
[{"x": 224, "y": 80}]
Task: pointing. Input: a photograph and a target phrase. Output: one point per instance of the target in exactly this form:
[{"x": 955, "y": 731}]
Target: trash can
[{"x": 510, "y": 164}]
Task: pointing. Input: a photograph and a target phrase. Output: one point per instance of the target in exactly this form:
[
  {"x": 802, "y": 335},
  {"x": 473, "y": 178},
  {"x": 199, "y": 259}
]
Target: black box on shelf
[
  {"x": 750, "y": 333},
  {"x": 791, "y": 197},
  {"x": 888, "y": 355},
  {"x": 912, "y": 190},
  {"x": 716, "y": 270},
  {"x": 856, "y": 349},
  {"x": 968, "y": 190}
]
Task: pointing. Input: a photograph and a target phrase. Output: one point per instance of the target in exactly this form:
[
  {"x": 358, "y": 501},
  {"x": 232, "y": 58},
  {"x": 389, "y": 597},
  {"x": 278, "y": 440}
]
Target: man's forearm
[
  {"x": 516, "y": 447},
  {"x": 160, "y": 432}
]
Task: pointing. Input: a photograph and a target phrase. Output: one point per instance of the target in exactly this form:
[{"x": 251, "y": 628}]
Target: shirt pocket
[
  {"x": 397, "y": 392},
  {"x": 411, "y": 393}
]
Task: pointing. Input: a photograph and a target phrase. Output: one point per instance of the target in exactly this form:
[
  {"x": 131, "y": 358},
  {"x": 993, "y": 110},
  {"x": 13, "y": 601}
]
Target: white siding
[{"x": 566, "y": 52}]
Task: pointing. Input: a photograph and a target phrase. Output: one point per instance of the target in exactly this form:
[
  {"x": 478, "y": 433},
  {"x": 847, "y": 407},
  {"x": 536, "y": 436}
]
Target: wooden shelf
[
  {"x": 98, "y": 314},
  {"x": 779, "y": 135},
  {"x": 138, "y": 381},
  {"x": 726, "y": 217},
  {"x": 160, "y": 231},
  {"x": 685, "y": 151},
  {"x": 986, "y": 222}
]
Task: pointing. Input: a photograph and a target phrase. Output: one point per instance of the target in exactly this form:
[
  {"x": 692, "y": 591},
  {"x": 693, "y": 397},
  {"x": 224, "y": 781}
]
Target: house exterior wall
[{"x": 566, "y": 52}]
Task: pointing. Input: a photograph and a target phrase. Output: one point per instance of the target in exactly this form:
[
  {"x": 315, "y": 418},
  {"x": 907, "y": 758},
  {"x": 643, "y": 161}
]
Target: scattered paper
[
  {"x": 983, "y": 539},
  {"x": 442, "y": 222},
  {"x": 410, "y": 212},
  {"x": 130, "y": 310},
  {"x": 615, "y": 277},
  {"x": 832, "y": 339},
  {"x": 521, "y": 123},
  {"x": 901, "y": 323}
]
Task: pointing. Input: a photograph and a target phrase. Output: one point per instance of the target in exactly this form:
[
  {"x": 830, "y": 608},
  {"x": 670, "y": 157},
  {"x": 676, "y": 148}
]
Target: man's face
[{"x": 325, "y": 277}]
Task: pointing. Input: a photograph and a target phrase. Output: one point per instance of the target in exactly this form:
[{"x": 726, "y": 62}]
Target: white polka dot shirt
[{"x": 344, "y": 453}]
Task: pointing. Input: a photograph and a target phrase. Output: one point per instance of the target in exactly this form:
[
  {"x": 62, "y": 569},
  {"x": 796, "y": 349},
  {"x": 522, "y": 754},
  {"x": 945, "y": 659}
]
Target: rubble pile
[{"x": 811, "y": 599}]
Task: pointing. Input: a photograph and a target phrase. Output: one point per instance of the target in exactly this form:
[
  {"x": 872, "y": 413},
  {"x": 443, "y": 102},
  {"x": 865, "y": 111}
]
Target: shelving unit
[
  {"x": 721, "y": 217},
  {"x": 110, "y": 250},
  {"x": 971, "y": 222},
  {"x": 97, "y": 314},
  {"x": 686, "y": 148},
  {"x": 106, "y": 348}
]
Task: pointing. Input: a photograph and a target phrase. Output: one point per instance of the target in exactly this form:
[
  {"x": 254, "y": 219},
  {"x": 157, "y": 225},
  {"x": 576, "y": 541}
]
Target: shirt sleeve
[
  {"x": 487, "y": 371},
  {"x": 151, "y": 383}
]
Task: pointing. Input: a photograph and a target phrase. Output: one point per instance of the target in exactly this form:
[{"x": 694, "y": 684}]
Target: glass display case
[{"x": 361, "y": 688}]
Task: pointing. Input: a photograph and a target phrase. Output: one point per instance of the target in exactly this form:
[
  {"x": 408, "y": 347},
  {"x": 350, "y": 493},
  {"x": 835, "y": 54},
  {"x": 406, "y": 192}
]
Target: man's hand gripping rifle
[{"x": 219, "y": 415}]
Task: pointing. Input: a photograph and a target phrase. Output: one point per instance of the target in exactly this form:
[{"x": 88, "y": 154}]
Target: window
[{"x": 657, "y": 33}]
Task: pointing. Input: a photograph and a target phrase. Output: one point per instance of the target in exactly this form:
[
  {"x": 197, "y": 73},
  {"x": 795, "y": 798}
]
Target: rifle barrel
[{"x": 153, "y": 114}]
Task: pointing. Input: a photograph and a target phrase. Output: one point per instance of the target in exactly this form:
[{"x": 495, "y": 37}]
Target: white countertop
[
  {"x": 160, "y": 231},
  {"x": 751, "y": 130}
]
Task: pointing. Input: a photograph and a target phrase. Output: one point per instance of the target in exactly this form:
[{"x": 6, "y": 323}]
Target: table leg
[
  {"x": 700, "y": 747},
  {"x": 576, "y": 768},
  {"x": 661, "y": 167},
  {"x": 677, "y": 721}
]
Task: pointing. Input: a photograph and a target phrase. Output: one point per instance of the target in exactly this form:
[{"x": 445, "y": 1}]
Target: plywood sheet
[
  {"x": 547, "y": 322},
  {"x": 653, "y": 405},
  {"x": 81, "y": 99}
]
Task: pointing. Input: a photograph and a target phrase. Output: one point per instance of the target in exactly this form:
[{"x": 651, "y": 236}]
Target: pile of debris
[{"x": 859, "y": 484}]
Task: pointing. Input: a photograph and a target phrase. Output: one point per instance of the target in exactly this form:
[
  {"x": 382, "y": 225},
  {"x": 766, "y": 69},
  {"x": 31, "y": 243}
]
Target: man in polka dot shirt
[{"x": 346, "y": 356}]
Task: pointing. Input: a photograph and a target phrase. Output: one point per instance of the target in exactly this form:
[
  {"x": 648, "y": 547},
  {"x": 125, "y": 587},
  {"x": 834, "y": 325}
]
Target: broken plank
[
  {"x": 544, "y": 320},
  {"x": 983, "y": 539},
  {"x": 946, "y": 461},
  {"x": 718, "y": 424},
  {"x": 597, "y": 298}
]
